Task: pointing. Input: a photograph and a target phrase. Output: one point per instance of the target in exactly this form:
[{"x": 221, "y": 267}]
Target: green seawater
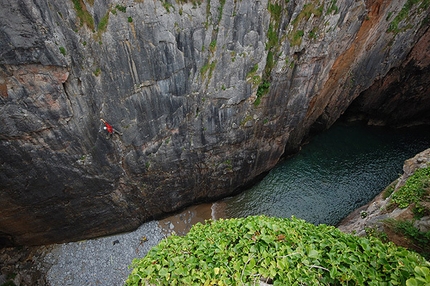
[{"x": 337, "y": 172}]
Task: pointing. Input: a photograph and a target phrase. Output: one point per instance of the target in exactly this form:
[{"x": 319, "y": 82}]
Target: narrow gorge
[{"x": 205, "y": 96}]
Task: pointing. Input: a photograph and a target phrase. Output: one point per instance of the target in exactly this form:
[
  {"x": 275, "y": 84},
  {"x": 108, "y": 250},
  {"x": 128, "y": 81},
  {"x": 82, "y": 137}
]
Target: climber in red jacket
[{"x": 109, "y": 128}]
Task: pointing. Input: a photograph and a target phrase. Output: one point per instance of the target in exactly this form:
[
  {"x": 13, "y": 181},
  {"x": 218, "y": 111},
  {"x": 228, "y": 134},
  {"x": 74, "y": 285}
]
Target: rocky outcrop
[
  {"x": 373, "y": 214},
  {"x": 207, "y": 95}
]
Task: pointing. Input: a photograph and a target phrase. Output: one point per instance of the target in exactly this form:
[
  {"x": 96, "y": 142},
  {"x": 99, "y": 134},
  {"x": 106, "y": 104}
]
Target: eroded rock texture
[{"x": 207, "y": 95}]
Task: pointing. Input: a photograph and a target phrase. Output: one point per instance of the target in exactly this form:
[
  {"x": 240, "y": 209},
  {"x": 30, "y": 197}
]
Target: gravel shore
[{"x": 101, "y": 261}]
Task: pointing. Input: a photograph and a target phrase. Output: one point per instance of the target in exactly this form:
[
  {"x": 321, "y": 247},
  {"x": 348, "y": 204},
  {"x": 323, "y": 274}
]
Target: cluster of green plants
[
  {"x": 220, "y": 9},
  {"x": 272, "y": 47},
  {"x": 101, "y": 27},
  {"x": 405, "y": 13},
  {"x": 415, "y": 189},
  {"x": 212, "y": 46},
  {"x": 121, "y": 8},
  {"x": 307, "y": 11},
  {"x": 419, "y": 240},
  {"x": 208, "y": 67},
  {"x": 245, "y": 251},
  {"x": 253, "y": 77},
  {"x": 332, "y": 7},
  {"x": 97, "y": 72},
  {"x": 62, "y": 50},
  {"x": 167, "y": 6},
  {"x": 83, "y": 14},
  {"x": 415, "y": 193}
]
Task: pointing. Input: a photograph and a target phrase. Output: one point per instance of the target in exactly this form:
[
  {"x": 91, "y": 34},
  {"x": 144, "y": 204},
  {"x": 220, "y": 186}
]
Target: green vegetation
[
  {"x": 62, "y": 50},
  {"x": 421, "y": 277},
  {"x": 83, "y": 14},
  {"x": 101, "y": 27},
  {"x": 296, "y": 38},
  {"x": 306, "y": 13},
  {"x": 97, "y": 72},
  {"x": 121, "y": 8},
  {"x": 253, "y": 70},
  {"x": 418, "y": 240},
  {"x": 414, "y": 195},
  {"x": 405, "y": 13},
  {"x": 129, "y": 19},
  {"x": 272, "y": 47},
  {"x": 248, "y": 250},
  {"x": 272, "y": 37},
  {"x": 212, "y": 46},
  {"x": 416, "y": 189},
  {"x": 208, "y": 67},
  {"x": 208, "y": 13},
  {"x": 167, "y": 6},
  {"x": 313, "y": 34},
  {"x": 220, "y": 9},
  {"x": 262, "y": 89},
  {"x": 333, "y": 7}
]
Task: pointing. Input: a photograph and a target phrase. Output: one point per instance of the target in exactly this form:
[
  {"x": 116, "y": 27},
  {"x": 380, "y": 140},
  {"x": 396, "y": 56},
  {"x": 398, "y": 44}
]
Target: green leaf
[
  {"x": 412, "y": 282},
  {"x": 313, "y": 254}
]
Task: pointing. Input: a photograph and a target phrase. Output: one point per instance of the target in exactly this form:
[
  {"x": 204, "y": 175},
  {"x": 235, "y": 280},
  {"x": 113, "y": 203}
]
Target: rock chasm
[{"x": 208, "y": 95}]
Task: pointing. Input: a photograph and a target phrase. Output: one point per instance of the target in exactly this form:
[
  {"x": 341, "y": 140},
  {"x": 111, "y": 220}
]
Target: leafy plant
[
  {"x": 62, "y": 50},
  {"x": 245, "y": 251},
  {"x": 407, "y": 228},
  {"x": 97, "y": 72},
  {"x": 121, "y": 8},
  {"x": 422, "y": 276},
  {"x": 414, "y": 190},
  {"x": 262, "y": 89},
  {"x": 129, "y": 19}
]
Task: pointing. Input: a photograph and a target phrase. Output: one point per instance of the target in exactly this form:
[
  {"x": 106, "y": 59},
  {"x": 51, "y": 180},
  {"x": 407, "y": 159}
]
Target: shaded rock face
[
  {"x": 207, "y": 95},
  {"x": 397, "y": 99}
]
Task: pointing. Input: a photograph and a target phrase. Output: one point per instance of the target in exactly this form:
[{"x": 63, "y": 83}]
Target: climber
[{"x": 109, "y": 128}]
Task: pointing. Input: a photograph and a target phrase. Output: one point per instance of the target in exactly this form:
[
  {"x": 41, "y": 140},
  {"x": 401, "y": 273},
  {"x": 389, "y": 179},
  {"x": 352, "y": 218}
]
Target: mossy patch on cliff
[
  {"x": 272, "y": 46},
  {"x": 405, "y": 13},
  {"x": 84, "y": 16}
]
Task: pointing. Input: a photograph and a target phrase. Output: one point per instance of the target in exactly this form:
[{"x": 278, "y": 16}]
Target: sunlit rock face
[{"x": 205, "y": 96}]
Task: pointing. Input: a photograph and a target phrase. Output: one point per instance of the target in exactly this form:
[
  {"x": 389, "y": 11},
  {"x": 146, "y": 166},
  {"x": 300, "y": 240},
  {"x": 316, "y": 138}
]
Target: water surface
[{"x": 339, "y": 171}]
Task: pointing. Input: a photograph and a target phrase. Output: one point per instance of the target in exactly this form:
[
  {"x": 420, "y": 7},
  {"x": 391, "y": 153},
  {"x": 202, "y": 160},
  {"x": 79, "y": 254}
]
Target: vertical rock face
[{"x": 206, "y": 94}]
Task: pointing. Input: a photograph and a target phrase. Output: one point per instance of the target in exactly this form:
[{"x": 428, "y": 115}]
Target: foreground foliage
[{"x": 279, "y": 251}]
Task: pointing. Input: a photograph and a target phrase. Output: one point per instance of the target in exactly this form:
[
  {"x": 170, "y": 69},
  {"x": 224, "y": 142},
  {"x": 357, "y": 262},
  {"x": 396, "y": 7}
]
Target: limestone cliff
[{"x": 207, "y": 96}]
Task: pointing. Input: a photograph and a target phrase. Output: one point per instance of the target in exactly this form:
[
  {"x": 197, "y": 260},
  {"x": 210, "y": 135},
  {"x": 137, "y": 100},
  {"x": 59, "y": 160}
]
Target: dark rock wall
[
  {"x": 187, "y": 85},
  {"x": 401, "y": 98}
]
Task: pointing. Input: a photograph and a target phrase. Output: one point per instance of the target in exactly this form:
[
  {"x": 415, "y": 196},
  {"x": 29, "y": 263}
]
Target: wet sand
[{"x": 181, "y": 222}]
